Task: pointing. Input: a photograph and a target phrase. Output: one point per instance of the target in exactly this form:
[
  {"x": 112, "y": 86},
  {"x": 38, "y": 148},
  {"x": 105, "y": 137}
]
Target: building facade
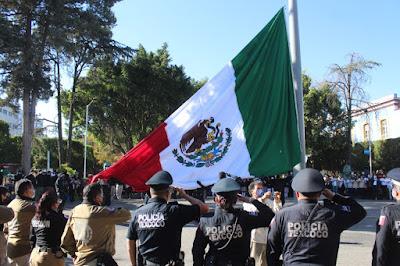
[
  {"x": 378, "y": 120},
  {"x": 14, "y": 121}
]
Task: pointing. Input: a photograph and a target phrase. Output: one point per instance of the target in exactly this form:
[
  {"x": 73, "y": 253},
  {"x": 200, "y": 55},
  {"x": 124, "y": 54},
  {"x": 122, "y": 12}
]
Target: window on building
[
  {"x": 384, "y": 131},
  {"x": 366, "y": 132}
]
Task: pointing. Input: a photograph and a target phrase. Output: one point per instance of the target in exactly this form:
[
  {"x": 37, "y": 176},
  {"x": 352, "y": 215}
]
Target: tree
[
  {"x": 91, "y": 40},
  {"x": 347, "y": 81},
  {"x": 24, "y": 42},
  {"x": 131, "y": 97},
  {"x": 324, "y": 127}
]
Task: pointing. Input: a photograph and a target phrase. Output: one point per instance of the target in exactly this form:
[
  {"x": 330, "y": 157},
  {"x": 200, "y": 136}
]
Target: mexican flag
[{"x": 242, "y": 121}]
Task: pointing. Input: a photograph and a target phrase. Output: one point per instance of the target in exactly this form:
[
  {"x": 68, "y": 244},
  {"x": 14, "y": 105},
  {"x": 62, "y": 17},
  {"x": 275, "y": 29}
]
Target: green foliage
[
  {"x": 130, "y": 98},
  {"x": 42, "y": 145},
  {"x": 10, "y": 147},
  {"x": 325, "y": 128},
  {"x": 384, "y": 155},
  {"x": 65, "y": 168}
]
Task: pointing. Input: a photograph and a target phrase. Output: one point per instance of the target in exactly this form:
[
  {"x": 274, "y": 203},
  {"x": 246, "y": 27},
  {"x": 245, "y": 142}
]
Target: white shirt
[{"x": 259, "y": 235}]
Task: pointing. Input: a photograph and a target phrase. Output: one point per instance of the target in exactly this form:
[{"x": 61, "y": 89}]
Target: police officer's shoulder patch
[
  {"x": 345, "y": 208},
  {"x": 111, "y": 210}
]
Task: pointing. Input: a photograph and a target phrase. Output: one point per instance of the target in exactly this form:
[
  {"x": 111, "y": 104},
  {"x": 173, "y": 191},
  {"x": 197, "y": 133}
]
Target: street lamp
[{"x": 86, "y": 131}]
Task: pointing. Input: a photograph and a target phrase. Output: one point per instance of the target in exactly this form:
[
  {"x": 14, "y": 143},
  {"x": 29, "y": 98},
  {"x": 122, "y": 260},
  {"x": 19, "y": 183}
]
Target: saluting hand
[
  {"x": 181, "y": 192},
  {"x": 243, "y": 198},
  {"x": 267, "y": 195},
  {"x": 328, "y": 193}
]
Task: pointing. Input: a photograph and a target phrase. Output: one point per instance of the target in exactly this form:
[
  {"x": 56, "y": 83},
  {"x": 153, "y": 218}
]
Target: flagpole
[{"x": 294, "y": 43}]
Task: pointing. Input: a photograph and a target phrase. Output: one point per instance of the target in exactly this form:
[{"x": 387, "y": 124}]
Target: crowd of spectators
[
  {"x": 362, "y": 185},
  {"x": 68, "y": 187}
]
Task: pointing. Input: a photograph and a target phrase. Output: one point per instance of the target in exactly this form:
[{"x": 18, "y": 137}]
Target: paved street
[{"x": 355, "y": 246}]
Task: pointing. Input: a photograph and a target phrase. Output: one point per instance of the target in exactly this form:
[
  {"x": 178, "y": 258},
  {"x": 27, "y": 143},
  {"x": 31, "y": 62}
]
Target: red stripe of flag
[{"x": 140, "y": 163}]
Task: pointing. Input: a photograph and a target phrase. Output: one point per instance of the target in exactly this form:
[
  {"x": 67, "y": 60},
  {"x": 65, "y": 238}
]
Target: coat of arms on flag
[{"x": 204, "y": 144}]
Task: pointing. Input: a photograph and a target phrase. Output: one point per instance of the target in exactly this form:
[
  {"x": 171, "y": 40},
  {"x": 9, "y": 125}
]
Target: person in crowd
[
  {"x": 1, "y": 175},
  {"x": 89, "y": 235},
  {"x": 386, "y": 250},
  {"x": 363, "y": 186},
  {"x": 308, "y": 233},
  {"x": 19, "y": 228},
  {"x": 32, "y": 177},
  {"x": 158, "y": 224},
  {"x": 18, "y": 176},
  {"x": 62, "y": 188},
  {"x": 258, "y": 240},
  {"x": 54, "y": 177},
  {"x": 389, "y": 186},
  {"x": 105, "y": 186},
  {"x": 119, "y": 188},
  {"x": 6, "y": 214},
  {"x": 47, "y": 227},
  {"x": 40, "y": 184},
  {"x": 334, "y": 183},
  {"x": 228, "y": 232},
  {"x": 341, "y": 188},
  {"x": 112, "y": 182},
  {"x": 71, "y": 188}
]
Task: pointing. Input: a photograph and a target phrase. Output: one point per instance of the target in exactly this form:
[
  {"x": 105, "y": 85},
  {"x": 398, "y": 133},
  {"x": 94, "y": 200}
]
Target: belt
[
  {"x": 150, "y": 263},
  {"x": 56, "y": 251},
  {"x": 44, "y": 249}
]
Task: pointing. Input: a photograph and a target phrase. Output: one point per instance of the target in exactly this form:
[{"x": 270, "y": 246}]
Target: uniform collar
[
  {"x": 157, "y": 199},
  {"x": 219, "y": 210},
  {"x": 307, "y": 201}
]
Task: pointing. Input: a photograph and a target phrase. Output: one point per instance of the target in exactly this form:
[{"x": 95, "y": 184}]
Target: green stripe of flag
[{"x": 265, "y": 96}]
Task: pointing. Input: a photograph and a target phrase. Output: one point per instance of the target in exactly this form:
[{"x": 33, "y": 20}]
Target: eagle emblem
[{"x": 205, "y": 144}]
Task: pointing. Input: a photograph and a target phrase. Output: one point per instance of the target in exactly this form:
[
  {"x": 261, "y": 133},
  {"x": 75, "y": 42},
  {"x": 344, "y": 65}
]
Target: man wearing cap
[
  {"x": 386, "y": 250},
  {"x": 228, "y": 232},
  {"x": 158, "y": 225},
  {"x": 308, "y": 233}
]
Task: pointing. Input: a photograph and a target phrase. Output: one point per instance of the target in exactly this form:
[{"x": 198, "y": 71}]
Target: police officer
[
  {"x": 228, "y": 232},
  {"x": 308, "y": 233},
  {"x": 158, "y": 224},
  {"x": 89, "y": 235},
  {"x": 47, "y": 227},
  {"x": 387, "y": 243}
]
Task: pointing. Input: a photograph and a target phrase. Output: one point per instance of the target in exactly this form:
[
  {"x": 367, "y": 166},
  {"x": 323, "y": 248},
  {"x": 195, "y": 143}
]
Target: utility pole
[
  {"x": 86, "y": 132},
  {"x": 294, "y": 43}
]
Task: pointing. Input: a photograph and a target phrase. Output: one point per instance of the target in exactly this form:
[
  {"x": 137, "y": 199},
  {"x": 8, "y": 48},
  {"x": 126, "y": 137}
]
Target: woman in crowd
[{"x": 47, "y": 228}]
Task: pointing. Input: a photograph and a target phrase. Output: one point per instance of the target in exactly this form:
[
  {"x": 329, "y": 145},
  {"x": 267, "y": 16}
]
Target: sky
[{"x": 205, "y": 35}]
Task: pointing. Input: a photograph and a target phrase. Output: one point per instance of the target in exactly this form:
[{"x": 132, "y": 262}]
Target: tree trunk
[
  {"x": 71, "y": 119},
  {"x": 59, "y": 122},
  {"x": 26, "y": 94},
  {"x": 26, "y": 134}
]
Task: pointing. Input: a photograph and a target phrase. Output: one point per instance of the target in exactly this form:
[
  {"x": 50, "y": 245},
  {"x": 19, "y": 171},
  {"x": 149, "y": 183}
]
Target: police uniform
[
  {"x": 386, "y": 250},
  {"x": 158, "y": 225},
  {"x": 89, "y": 235},
  {"x": 305, "y": 239},
  {"x": 228, "y": 232},
  {"x": 6, "y": 215},
  {"x": 47, "y": 239}
]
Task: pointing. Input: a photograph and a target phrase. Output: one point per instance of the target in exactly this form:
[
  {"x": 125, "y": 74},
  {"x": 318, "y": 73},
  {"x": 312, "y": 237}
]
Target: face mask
[
  {"x": 260, "y": 192},
  {"x": 394, "y": 193}
]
